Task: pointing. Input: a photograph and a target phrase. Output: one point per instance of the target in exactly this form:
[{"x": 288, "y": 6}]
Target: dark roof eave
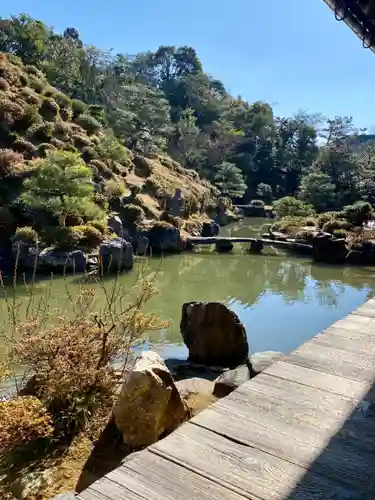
[{"x": 351, "y": 22}]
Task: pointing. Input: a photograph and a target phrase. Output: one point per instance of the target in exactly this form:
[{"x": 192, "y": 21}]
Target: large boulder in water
[
  {"x": 149, "y": 405},
  {"x": 115, "y": 255},
  {"x": 328, "y": 249},
  {"x": 58, "y": 260},
  {"x": 210, "y": 229},
  {"x": 213, "y": 334}
]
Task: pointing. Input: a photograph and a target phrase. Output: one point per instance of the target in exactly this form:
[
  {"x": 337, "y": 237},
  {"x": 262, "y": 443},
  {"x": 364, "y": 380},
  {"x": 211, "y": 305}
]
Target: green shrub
[
  {"x": 30, "y": 96},
  {"x": 58, "y": 143},
  {"x": 339, "y": 233},
  {"x": 81, "y": 141},
  {"x": 78, "y": 107},
  {"x": 50, "y": 92},
  {"x": 42, "y": 132},
  {"x": 44, "y": 147},
  {"x": 37, "y": 84},
  {"x": 135, "y": 190},
  {"x": 114, "y": 188},
  {"x": 32, "y": 70},
  {"x": 290, "y": 206},
  {"x": 61, "y": 237},
  {"x": 66, "y": 114},
  {"x": 10, "y": 162},
  {"x": 26, "y": 233},
  {"x": 306, "y": 236},
  {"x": 15, "y": 60},
  {"x": 30, "y": 117},
  {"x": 101, "y": 200},
  {"x": 99, "y": 225},
  {"x": 4, "y": 85},
  {"x": 358, "y": 213},
  {"x": 132, "y": 214},
  {"x": 290, "y": 224},
  {"x": 110, "y": 149},
  {"x": 91, "y": 236},
  {"x": 89, "y": 123},
  {"x": 23, "y": 146},
  {"x": 97, "y": 112},
  {"x": 152, "y": 186},
  {"x": 49, "y": 108},
  {"x": 334, "y": 224},
  {"x": 88, "y": 154},
  {"x": 257, "y": 203},
  {"x": 24, "y": 79},
  {"x": 310, "y": 222},
  {"x": 63, "y": 100}
]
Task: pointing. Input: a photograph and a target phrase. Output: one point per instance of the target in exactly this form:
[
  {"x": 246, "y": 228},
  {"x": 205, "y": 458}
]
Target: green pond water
[{"x": 282, "y": 299}]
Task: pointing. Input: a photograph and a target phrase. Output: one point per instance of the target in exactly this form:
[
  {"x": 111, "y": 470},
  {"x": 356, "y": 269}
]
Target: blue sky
[{"x": 291, "y": 53}]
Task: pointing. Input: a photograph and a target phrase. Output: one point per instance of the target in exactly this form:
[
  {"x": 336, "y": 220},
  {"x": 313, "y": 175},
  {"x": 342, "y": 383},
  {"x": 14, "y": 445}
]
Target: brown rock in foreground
[
  {"x": 149, "y": 404},
  {"x": 213, "y": 334}
]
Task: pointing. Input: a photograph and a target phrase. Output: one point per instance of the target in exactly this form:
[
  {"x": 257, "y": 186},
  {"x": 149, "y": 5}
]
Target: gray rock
[
  {"x": 25, "y": 253},
  {"x": 57, "y": 260},
  {"x": 194, "y": 385},
  {"x": 164, "y": 239},
  {"x": 256, "y": 246},
  {"x": 31, "y": 484},
  {"x": 230, "y": 380},
  {"x": 115, "y": 223},
  {"x": 176, "y": 204},
  {"x": 115, "y": 255},
  {"x": 213, "y": 334},
  {"x": 65, "y": 496}
]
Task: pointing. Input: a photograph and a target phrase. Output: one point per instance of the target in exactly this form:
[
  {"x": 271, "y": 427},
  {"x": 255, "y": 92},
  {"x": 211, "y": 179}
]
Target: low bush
[
  {"x": 99, "y": 225},
  {"x": 23, "y": 420},
  {"x": 66, "y": 114},
  {"x": 78, "y": 107},
  {"x": 91, "y": 236},
  {"x": 339, "y": 233},
  {"x": 62, "y": 237},
  {"x": 114, "y": 188},
  {"x": 310, "y": 222},
  {"x": 37, "y": 84},
  {"x": 132, "y": 214},
  {"x": 32, "y": 70},
  {"x": 10, "y": 162},
  {"x": 290, "y": 225},
  {"x": 63, "y": 100},
  {"x": 257, "y": 203},
  {"x": 290, "y": 206},
  {"x": 30, "y": 96},
  {"x": 25, "y": 147},
  {"x": 49, "y": 109},
  {"x": 325, "y": 217},
  {"x": 4, "y": 85},
  {"x": 29, "y": 117},
  {"x": 27, "y": 234},
  {"x": 42, "y": 132},
  {"x": 358, "y": 213},
  {"x": 334, "y": 224},
  {"x": 81, "y": 141},
  {"x": 89, "y": 123},
  {"x": 44, "y": 147}
]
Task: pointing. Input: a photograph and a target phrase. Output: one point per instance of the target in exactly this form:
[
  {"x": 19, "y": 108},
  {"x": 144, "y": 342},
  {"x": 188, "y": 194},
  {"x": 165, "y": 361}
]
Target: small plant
[
  {"x": 99, "y": 225},
  {"x": 78, "y": 107},
  {"x": 66, "y": 114},
  {"x": 37, "y": 84},
  {"x": 30, "y": 117},
  {"x": 89, "y": 123},
  {"x": 114, "y": 188},
  {"x": 81, "y": 141},
  {"x": 310, "y": 222},
  {"x": 27, "y": 234},
  {"x": 32, "y": 70},
  {"x": 10, "y": 162},
  {"x": 334, "y": 224},
  {"x": 49, "y": 108},
  {"x": 132, "y": 214},
  {"x": 257, "y": 203},
  {"x": 4, "y": 85},
  {"x": 42, "y": 132},
  {"x": 340, "y": 233},
  {"x": 91, "y": 236},
  {"x": 23, "y": 146},
  {"x": 23, "y": 420},
  {"x": 30, "y": 96}
]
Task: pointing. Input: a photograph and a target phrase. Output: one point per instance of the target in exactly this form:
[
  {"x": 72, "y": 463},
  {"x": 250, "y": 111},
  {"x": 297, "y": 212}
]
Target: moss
[
  {"x": 89, "y": 123},
  {"x": 49, "y": 109}
]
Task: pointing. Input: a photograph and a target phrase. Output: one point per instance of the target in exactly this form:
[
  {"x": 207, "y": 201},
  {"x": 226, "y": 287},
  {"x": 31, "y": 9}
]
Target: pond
[{"x": 282, "y": 299}]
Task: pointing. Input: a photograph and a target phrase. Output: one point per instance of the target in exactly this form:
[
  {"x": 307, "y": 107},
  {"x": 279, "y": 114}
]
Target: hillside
[{"x": 36, "y": 118}]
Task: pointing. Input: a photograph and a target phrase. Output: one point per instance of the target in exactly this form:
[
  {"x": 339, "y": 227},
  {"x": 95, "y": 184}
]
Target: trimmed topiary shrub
[
  {"x": 290, "y": 206},
  {"x": 30, "y": 117},
  {"x": 10, "y": 162},
  {"x": 4, "y": 85},
  {"x": 45, "y": 147},
  {"x": 37, "y": 84},
  {"x": 358, "y": 213},
  {"x": 334, "y": 224},
  {"x": 49, "y": 109},
  {"x": 30, "y": 96},
  {"x": 66, "y": 114},
  {"x": 340, "y": 233},
  {"x": 89, "y": 123},
  {"x": 23, "y": 146},
  {"x": 32, "y": 70},
  {"x": 61, "y": 237},
  {"x": 310, "y": 223},
  {"x": 26, "y": 233},
  {"x": 42, "y": 132},
  {"x": 91, "y": 236},
  {"x": 114, "y": 188},
  {"x": 78, "y": 107},
  {"x": 63, "y": 100},
  {"x": 132, "y": 214}
]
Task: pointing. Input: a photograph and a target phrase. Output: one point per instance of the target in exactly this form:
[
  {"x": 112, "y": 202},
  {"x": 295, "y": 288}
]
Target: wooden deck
[{"x": 302, "y": 430}]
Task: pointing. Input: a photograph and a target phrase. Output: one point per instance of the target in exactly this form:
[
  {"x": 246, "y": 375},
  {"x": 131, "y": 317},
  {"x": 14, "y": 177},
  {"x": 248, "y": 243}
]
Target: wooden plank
[
  {"x": 319, "y": 380},
  {"x": 334, "y": 361},
  {"x": 244, "y": 469},
  {"x": 356, "y": 322},
  {"x": 106, "y": 489},
  {"x": 348, "y": 340},
  {"x": 367, "y": 309},
  {"x": 156, "y": 478},
  {"x": 320, "y": 451}
]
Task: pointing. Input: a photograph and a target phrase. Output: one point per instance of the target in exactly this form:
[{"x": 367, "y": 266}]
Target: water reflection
[{"x": 283, "y": 300}]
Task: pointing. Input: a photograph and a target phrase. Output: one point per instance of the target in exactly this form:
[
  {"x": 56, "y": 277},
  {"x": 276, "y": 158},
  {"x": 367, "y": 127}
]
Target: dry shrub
[
  {"x": 23, "y": 419},
  {"x": 10, "y": 162},
  {"x": 4, "y": 85},
  {"x": 70, "y": 357}
]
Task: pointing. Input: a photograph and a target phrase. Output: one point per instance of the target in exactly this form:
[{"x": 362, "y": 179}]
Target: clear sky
[{"x": 291, "y": 53}]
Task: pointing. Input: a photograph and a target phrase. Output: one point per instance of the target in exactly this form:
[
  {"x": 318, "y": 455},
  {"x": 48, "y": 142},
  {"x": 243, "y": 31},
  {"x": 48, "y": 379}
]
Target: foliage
[
  {"x": 89, "y": 123},
  {"x": 290, "y": 224},
  {"x": 26, "y": 233},
  {"x": 334, "y": 224},
  {"x": 358, "y": 213},
  {"x": 289, "y": 206},
  {"x": 229, "y": 179},
  {"x": 62, "y": 184},
  {"x": 90, "y": 237},
  {"x": 23, "y": 420},
  {"x": 10, "y": 162},
  {"x": 317, "y": 189},
  {"x": 114, "y": 188},
  {"x": 265, "y": 192},
  {"x": 132, "y": 214},
  {"x": 257, "y": 203},
  {"x": 340, "y": 233}
]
